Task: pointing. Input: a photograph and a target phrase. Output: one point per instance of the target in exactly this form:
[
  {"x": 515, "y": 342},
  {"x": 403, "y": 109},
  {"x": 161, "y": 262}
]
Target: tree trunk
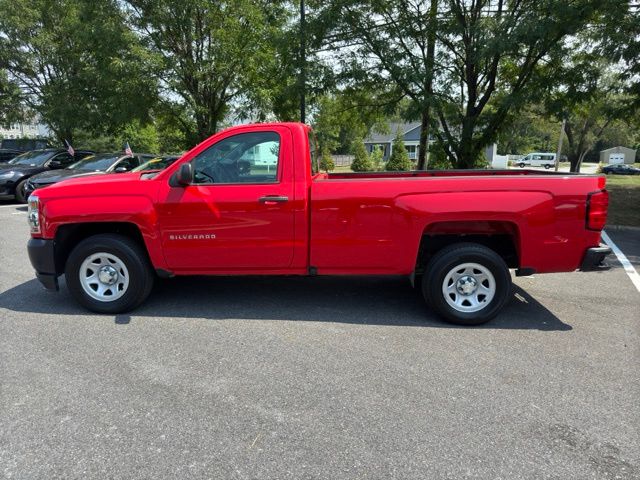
[
  {"x": 424, "y": 138},
  {"x": 467, "y": 151},
  {"x": 574, "y": 160},
  {"x": 423, "y": 150}
]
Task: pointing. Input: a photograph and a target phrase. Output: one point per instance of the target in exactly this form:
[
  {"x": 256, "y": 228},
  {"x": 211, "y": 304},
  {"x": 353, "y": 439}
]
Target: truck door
[{"x": 239, "y": 211}]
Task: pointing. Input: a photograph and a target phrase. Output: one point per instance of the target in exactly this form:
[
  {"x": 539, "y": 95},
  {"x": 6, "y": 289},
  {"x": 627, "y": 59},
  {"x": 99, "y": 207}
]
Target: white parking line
[
  {"x": 626, "y": 264},
  {"x": 11, "y": 206}
]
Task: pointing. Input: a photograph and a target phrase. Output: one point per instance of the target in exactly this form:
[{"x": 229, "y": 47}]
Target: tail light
[{"x": 597, "y": 204}]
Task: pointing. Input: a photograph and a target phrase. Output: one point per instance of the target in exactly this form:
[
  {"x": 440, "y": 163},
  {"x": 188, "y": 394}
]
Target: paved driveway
[{"x": 330, "y": 378}]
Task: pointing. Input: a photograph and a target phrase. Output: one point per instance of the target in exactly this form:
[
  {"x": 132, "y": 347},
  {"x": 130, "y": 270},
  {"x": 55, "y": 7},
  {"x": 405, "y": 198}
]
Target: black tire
[
  {"x": 140, "y": 273},
  {"x": 20, "y": 191},
  {"x": 521, "y": 165},
  {"x": 442, "y": 264},
  {"x": 547, "y": 167}
]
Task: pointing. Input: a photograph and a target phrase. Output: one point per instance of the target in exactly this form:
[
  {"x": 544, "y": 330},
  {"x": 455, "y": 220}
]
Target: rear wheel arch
[{"x": 503, "y": 237}]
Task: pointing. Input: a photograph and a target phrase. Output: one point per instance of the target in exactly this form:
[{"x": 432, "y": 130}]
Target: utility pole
[
  {"x": 303, "y": 63},
  {"x": 564, "y": 121}
]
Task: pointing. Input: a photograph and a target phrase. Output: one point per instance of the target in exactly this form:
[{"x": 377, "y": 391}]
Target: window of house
[{"x": 413, "y": 151}]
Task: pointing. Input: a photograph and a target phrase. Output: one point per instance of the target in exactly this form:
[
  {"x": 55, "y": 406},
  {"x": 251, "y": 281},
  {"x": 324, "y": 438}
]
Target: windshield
[
  {"x": 96, "y": 163},
  {"x": 34, "y": 159},
  {"x": 159, "y": 163}
]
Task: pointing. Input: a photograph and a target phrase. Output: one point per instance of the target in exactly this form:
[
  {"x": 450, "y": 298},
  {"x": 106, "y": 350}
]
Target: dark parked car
[
  {"x": 157, "y": 163},
  {"x": 621, "y": 169},
  {"x": 98, "y": 164},
  {"x": 15, "y": 173},
  {"x": 7, "y": 154}
]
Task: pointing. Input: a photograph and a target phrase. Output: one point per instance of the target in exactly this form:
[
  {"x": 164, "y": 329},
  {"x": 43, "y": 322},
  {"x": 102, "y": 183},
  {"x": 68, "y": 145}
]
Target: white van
[{"x": 538, "y": 159}]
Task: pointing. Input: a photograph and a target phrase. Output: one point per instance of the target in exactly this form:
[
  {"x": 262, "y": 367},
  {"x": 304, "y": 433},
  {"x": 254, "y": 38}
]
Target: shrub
[
  {"x": 399, "y": 160},
  {"x": 376, "y": 158},
  {"x": 326, "y": 161},
  {"x": 361, "y": 161}
]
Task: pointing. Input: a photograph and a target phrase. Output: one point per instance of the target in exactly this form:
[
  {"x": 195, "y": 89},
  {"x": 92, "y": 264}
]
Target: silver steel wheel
[
  {"x": 469, "y": 287},
  {"x": 104, "y": 277}
]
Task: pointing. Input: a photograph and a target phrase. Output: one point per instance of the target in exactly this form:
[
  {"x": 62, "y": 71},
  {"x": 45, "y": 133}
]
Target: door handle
[{"x": 271, "y": 199}]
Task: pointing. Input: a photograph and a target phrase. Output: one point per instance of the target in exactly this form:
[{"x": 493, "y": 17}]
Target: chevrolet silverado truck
[{"x": 251, "y": 200}]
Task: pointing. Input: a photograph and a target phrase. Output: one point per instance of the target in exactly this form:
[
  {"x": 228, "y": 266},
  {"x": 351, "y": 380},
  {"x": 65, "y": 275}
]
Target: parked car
[
  {"x": 15, "y": 173},
  {"x": 621, "y": 169},
  {"x": 7, "y": 154},
  {"x": 98, "y": 164},
  {"x": 157, "y": 163},
  {"x": 538, "y": 159},
  {"x": 218, "y": 211}
]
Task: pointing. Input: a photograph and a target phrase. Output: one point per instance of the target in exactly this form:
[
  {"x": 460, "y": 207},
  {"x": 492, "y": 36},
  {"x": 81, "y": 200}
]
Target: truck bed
[{"x": 446, "y": 173}]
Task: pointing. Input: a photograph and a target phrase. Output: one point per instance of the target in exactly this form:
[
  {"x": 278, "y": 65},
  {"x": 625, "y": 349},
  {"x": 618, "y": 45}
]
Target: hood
[
  {"x": 20, "y": 169},
  {"x": 54, "y": 176},
  {"x": 107, "y": 185}
]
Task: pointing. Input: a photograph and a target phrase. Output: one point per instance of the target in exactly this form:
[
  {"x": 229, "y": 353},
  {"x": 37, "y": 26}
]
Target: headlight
[{"x": 33, "y": 214}]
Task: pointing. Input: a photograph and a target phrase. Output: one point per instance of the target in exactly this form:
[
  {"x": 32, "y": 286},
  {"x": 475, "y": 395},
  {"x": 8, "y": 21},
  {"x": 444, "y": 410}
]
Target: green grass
[{"x": 624, "y": 200}]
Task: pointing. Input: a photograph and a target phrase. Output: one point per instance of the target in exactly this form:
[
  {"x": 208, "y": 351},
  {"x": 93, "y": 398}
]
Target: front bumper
[
  {"x": 42, "y": 257},
  {"x": 592, "y": 261},
  {"x": 7, "y": 189}
]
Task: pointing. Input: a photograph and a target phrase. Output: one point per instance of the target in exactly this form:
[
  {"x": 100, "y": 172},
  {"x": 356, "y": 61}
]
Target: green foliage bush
[
  {"x": 326, "y": 161},
  {"x": 361, "y": 162},
  {"x": 399, "y": 160},
  {"x": 377, "y": 158}
]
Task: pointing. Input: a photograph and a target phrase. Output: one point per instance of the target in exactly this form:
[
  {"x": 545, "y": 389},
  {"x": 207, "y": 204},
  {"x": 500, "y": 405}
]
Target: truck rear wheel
[
  {"x": 109, "y": 274},
  {"x": 466, "y": 283}
]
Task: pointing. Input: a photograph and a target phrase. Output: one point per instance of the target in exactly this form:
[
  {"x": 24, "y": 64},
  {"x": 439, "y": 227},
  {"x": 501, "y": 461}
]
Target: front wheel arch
[{"x": 118, "y": 256}]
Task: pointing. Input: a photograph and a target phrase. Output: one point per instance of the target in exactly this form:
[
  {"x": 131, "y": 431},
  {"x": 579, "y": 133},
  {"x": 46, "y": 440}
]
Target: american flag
[
  {"x": 127, "y": 150},
  {"x": 70, "y": 149}
]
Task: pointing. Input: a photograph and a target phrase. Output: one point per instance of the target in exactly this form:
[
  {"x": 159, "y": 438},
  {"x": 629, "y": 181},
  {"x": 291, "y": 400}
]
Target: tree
[
  {"x": 399, "y": 159},
  {"x": 589, "y": 97},
  {"x": 376, "y": 158},
  {"x": 10, "y": 100},
  {"x": 326, "y": 160},
  {"x": 530, "y": 129},
  {"x": 340, "y": 119},
  {"x": 490, "y": 58},
  {"x": 76, "y": 62},
  {"x": 361, "y": 161},
  {"x": 212, "y": 53}
]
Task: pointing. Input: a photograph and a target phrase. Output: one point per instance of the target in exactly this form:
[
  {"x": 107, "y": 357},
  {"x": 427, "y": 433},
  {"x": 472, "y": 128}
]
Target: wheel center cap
[
  {"x": 466, "y": 285},
  {"x": 108, "y": 275}
]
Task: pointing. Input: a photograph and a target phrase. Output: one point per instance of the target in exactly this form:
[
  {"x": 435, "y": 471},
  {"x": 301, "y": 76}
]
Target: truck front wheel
[
  {"x": 109, "y": 274},
  {"x": 466, "y": 283}
]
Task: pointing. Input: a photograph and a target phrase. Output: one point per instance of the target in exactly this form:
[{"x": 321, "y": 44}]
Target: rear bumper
[
  {"x": 592, "y": 261},
  {"x": 42, "y": 257}
]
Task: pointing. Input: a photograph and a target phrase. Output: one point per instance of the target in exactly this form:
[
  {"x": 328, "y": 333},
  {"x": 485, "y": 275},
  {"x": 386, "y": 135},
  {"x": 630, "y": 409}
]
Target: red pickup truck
[{"x": 251, "y": 201}]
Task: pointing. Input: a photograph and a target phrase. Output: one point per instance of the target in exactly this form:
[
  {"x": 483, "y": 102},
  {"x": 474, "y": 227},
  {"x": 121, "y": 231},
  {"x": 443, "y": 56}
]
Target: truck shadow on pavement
[{"x": 354, "y": 300}]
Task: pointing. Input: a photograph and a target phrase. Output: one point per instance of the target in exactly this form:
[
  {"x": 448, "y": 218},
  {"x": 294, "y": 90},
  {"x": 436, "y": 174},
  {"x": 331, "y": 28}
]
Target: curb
[{"x": 622, "y": 228}]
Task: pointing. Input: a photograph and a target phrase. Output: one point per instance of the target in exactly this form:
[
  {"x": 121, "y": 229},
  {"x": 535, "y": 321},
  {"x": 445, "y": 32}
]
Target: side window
[
  {"x": 128, "y": 163},
  {"x": 244, "y": 158},
  {"x": 64, "y": 159}
]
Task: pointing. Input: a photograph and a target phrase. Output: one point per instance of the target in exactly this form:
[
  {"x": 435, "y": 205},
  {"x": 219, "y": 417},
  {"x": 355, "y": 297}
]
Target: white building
[{"x": 24, "y": 130}]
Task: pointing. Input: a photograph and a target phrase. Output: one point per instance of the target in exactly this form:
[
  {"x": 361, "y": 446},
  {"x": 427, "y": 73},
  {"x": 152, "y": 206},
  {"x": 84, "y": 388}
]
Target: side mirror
[
  {"x": 55, "y": 164},
  {"x": 184, "y": 175},
  {"x": 121, "y": 170}
]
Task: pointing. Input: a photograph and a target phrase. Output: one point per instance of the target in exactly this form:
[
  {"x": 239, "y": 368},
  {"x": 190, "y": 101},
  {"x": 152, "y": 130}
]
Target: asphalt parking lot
[{"x": 234, "y": 378}]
